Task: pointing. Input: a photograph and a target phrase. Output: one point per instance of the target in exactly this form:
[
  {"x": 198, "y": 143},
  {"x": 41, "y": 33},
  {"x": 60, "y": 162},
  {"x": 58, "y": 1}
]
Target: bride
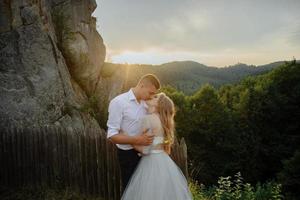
[{"x": 157, "y": 177}]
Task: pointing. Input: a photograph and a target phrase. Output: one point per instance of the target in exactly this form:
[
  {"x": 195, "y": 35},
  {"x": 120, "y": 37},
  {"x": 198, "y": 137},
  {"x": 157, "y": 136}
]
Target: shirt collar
[
  {"x": 131, "y": 95},
  {"x": 144, "y": 103},
  {"x": 133, "y": 98}
]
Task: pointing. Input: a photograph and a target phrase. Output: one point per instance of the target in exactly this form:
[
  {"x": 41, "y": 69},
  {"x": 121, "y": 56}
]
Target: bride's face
[{"x": 152, "y": 103}]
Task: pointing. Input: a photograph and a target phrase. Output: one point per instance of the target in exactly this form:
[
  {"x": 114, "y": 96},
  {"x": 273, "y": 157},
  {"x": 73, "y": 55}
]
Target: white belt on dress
[{"x": 156, "y": 151}]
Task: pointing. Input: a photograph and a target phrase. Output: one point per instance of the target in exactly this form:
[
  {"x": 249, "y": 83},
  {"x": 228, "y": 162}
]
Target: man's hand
[{"x": 145, "y": 139}]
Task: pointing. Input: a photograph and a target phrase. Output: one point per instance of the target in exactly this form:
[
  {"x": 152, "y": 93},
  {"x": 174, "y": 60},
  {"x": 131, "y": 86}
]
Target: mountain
[{"x": 187, "y": 76}]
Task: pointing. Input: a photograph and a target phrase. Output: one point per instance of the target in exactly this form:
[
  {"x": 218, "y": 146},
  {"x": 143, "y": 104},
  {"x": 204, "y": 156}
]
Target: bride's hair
[{"x": 166, "y": 111}]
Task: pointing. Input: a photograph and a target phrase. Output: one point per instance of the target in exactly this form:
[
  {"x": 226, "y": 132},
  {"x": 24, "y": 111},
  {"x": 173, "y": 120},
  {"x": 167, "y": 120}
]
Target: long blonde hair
[{"x": 166, "y": 112}]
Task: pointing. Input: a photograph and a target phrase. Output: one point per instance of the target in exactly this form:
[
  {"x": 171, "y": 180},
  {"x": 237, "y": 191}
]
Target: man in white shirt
[{"x": 123, "y": 123}]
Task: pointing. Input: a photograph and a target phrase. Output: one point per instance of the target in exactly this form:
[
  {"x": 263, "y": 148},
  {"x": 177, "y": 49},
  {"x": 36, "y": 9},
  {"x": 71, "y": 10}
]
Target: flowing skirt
[{"x": 157, "y": 177}]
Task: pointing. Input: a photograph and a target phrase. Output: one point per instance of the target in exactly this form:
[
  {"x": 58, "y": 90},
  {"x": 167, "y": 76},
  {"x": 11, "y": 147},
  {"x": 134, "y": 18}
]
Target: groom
[{"x": 124, "y": 112}]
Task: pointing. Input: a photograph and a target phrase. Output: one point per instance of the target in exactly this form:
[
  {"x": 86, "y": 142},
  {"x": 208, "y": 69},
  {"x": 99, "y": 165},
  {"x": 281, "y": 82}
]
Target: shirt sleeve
[{"x": 115, "y": 115}]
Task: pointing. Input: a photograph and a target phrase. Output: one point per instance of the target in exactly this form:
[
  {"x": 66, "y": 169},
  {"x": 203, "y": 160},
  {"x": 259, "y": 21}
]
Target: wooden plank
[
  {"x": 16, "y": 161},
  {"x": 65, "y": 157},
  {"x": 109, "y": 171},
  {"x": 49, "y": 161},
  {"x": 56, "y": 166},
  {"x": 118, "y": 185},
  {"x": 100, "y": 166},
  {"x": 2, "y": 161},
  {"x": 13, "y": 157},
  {"x": 18, "y": 156},
  {"x": 33, "y": 155},
  {"x": 116, "y": 178},
  {"x": 22, "y": 156},
  {"x": 98, "y": 189},
  {"x": 57, "y": 156},
  {"x": 38, "y": 135},
  {"x": 73, "y": 158},
  {"x": 89, "y": 163},
  {"x": 184, "y": 149},
  {"x": 5, "y": 156},
  {"x": 45, "y": 144},
  {"x": 83, "y": 163},
  {"x": 43, "y": 156},
  {"x": 78, "y": 164},
  {"x": 105, "y": 167},
  {"x": 60, "y": 156},
  {"x": 70, "y": 158},
  {"x": 9, "y": 156},
  {"x": 93, "y": 162}
]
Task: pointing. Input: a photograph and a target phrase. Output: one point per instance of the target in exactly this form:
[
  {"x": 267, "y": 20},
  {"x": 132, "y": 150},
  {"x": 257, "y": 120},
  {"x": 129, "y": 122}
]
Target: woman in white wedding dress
[{"x": 157, "y": 177}]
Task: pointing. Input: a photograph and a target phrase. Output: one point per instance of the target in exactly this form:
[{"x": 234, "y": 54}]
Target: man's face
[{"x": 148, "y": 91}]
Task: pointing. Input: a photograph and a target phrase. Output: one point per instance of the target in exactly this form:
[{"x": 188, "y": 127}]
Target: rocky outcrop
[
  {"x": 50, "y": 61},
  {"x": 79, "y": 41}
]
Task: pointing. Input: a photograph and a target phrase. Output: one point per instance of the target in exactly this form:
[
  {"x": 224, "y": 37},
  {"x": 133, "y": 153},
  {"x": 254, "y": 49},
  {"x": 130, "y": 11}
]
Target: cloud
[{"x": 198, "y": 27}]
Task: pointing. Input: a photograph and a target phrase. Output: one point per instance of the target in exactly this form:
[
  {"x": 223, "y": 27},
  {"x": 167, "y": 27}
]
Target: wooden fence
[{"x": 86, "y": 162}]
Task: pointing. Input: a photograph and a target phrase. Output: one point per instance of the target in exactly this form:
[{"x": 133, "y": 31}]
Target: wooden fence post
[{"x": 85, "y": 161}]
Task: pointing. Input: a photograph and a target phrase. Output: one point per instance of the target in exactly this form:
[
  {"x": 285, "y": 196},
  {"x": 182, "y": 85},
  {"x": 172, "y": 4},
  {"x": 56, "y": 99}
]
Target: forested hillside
[
  {"x": 252, "y": 127},
  {"x": 187, "y": 76}
]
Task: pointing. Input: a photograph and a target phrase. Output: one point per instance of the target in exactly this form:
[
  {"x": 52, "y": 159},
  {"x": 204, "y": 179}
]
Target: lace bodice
[
  {"x": 155, "y": 147},
  {"x": 152, "y": 122},
  {"x": 157, "y": 140}
]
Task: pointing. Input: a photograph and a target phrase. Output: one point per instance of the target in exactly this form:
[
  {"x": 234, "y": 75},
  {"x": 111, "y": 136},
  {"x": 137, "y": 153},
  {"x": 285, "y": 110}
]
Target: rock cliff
[{"x": 51, "y": 57}]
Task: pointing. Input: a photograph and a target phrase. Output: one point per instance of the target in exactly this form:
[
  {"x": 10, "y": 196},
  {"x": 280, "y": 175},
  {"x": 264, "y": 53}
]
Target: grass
[{"x": 42, "y": 193}]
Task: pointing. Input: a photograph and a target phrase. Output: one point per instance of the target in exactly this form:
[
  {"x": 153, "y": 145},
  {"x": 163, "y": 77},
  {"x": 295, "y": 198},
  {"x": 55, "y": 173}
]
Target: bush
[{"x": 228, "y": 189}]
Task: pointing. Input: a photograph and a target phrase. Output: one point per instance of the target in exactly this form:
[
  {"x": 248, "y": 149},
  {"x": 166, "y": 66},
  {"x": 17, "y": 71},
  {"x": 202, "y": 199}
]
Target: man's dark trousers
[{"x": 128, "y": 160}]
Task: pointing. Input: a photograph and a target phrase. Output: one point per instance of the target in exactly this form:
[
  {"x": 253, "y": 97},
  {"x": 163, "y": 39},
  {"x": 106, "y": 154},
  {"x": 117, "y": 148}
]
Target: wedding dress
[{"x": 157, "y": 177}]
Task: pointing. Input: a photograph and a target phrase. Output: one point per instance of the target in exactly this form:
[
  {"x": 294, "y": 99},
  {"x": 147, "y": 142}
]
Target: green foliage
[
  {"x": 290, "y": 176},
  {"x": 228, "y": 189},
  {"x": 197, "y": 190},
  {"x": 249, "y": 127}
]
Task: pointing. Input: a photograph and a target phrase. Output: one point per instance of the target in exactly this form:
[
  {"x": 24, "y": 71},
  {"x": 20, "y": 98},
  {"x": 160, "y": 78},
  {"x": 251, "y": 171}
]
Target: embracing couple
[{"x": 141, "y": 124}]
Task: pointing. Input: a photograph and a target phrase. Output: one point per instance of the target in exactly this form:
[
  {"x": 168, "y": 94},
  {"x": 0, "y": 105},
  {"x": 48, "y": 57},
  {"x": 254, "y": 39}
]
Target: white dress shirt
[{"x": 124, "y": 112}]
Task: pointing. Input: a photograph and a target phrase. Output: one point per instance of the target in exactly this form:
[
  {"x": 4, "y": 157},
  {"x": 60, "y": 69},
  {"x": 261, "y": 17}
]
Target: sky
[{"x": 212, "y": 32}]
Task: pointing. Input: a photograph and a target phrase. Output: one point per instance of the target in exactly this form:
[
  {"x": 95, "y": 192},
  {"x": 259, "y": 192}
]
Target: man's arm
[
  {"x": 115, "y": 115},
  {"x": 141, "y": 139}
]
